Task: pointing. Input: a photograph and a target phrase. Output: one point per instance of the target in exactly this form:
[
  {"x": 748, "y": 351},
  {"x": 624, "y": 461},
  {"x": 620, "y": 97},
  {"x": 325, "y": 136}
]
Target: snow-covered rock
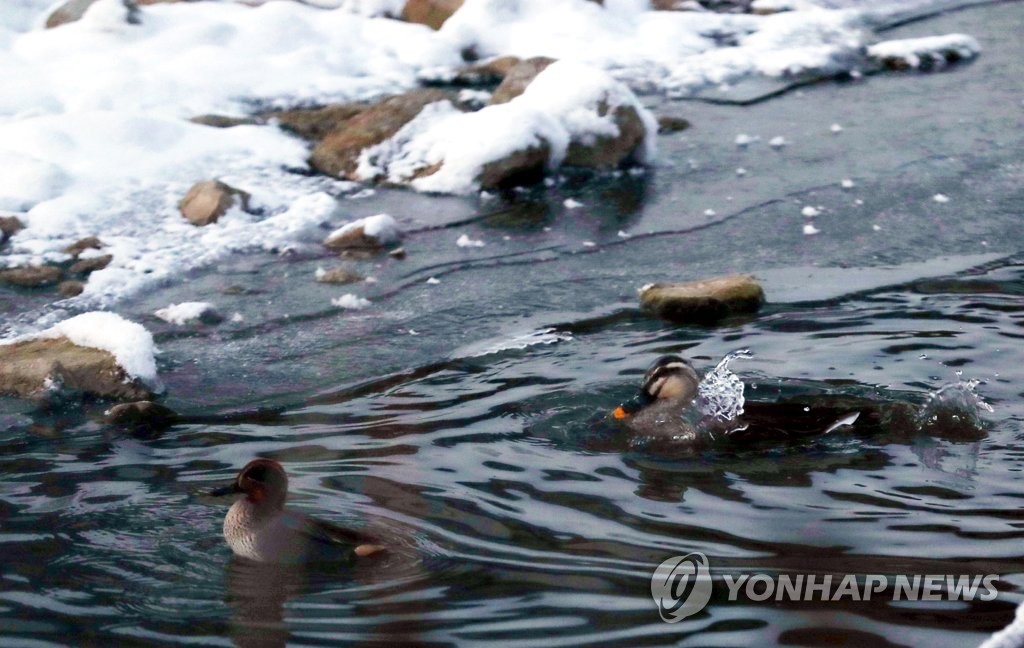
[
  {"x": 189, "y": 313},
  {"x": 370, "y": 232}
]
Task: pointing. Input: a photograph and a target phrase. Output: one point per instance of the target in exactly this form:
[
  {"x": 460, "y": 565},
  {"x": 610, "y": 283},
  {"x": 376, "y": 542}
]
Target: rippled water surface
[{"x": 466, "y": 421}]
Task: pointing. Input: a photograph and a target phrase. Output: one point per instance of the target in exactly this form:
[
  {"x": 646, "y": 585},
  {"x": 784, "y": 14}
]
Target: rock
[
  {"x": 486, "y": 73},
  {"x": 520, "y": 168},
  {"x": 92, "y": 264},
  {"x": 432, "y": 13},
  {"x": 31, "y": 276},
  {"x": 669, "y": 124},
  {"x": 703, "y": 301},
  {"x": 518, "y": 77},
  {"x": 337, "y": 276},
  {"x": 70, "y": 11},
  {"x": 9, "y": 226},
  {"x": 190, "y": 313},
  {"x": 222, "y": 121},
  {"x": 33, "y": 368},
  {"x": 338, "y": 153},
  {"x": 208, "y": 200},
  {"x": 608, "y": 152},
  {"x": 315, "y": 123},
  {"x": 372, "y": 232},
  {"x": 143, "y": 413},
  {"x": 70, "y": 288},
  {"x": 398, "y": 253},
  {"x": 88, "y": 243}
]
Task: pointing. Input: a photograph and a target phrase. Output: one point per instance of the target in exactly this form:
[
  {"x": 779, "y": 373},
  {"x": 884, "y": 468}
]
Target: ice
[
  {"x": 777, "y": 142},
  {"x": 940, "y": 198},
  {"x": 846, "y": 183},
  {"x": 810, "y": 212},
  {"x": 349, "y": 301},
  {"x": 465, "y": 242},
  {"x": 185, "y": 312},
  {"x": 744, "y": 140},
  {"x": 810, "y": 229}
]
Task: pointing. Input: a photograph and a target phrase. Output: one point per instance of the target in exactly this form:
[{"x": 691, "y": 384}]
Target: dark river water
[{"x": 466, "y": 420}]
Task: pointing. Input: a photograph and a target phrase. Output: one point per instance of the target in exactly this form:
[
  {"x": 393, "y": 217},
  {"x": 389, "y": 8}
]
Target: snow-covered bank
[{"x": 95, "y": 138}]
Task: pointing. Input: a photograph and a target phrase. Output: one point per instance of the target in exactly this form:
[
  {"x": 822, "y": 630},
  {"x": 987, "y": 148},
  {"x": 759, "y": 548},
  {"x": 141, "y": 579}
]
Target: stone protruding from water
[
  {"x": 208, "y": 200},
  {"x": 431, "y": 13},
  {"x": 31, "y": 276},
  {"x": 703, "y": 301},
  {"x": 142, "y": 413},
  {"x": 35, "y": 368}
]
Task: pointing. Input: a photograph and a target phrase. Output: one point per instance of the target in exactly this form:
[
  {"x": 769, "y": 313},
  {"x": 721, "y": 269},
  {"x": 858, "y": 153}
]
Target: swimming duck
[
  {"x": 260, "y": 528},
  {"x": 670, "y": 386}
]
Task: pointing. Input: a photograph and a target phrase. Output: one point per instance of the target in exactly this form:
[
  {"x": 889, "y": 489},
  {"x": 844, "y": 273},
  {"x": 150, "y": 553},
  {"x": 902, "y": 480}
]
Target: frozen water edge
[{"x": 94, "y": 137}]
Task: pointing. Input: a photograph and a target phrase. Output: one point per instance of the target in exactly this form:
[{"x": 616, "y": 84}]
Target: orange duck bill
[{"x": 633, "y": 405}]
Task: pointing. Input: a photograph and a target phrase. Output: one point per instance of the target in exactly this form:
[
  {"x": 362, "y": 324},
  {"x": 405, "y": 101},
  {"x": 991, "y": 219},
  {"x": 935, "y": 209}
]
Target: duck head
[
  {"x": 670, "y": 379},
  {"x": 263, "y": 481}
]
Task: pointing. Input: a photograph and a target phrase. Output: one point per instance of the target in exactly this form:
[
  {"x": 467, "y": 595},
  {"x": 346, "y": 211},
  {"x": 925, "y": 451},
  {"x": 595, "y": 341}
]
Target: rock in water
[
  {"x": 371, "y": 232},
  {"x": 338, "y": 153},
  {"x": 703, "y": 301},
  {"x": 208, "y": 200},
  {"x": 70, "y": 288},
  {"x": 140, "y": 414},
  {"x": 31, "y": 276},
  {"x": 9, "y": 226},
  {"x": 518, "y": 77},
  {"x": 316, "y": 123},
  {"x": 81, "y": 245},
  {"x": 337, "y": 276},
  {"x": 33, "y": 368},
  {"x": 92, "y": 264}
]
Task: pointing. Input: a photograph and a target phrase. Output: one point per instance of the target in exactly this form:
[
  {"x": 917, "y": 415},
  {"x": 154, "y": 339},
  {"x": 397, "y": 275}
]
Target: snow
[
  {"x": 846, "y": 183},
  {"x": 433, "y": 281},
  {"x": 744, "y": 140},
  {"x": 810, "y": 212},
  {"x": 917, "y": 51},
  {"x": 836, "y": 128},
  {"x": 382, "y": 227},
  {"x": 570, "y": 203},
  {"x": 563, "y": 104},
  {"x": 1012, "y": 636},
  {"x": 130, "y": 343},
  {"x": 185, "y": 312},
  {"x": 777, "y": 142},
  {"x": 940, "y": 198},
  {"x": 740, "y": 171},
  {"x": 95, "y": 137},
  {"x": 349, "y": 301},
  {"x": 465, "y": 242},
  {"x": 810, "y": 229}
]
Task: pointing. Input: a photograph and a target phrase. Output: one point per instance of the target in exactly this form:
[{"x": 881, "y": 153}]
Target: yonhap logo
[{"x": 681, "y": 586}]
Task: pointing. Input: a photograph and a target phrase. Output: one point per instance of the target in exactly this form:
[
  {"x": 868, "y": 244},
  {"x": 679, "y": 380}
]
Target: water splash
[
  {"x": 720, "y": 393},
  {"x": 954, "y": 407}
]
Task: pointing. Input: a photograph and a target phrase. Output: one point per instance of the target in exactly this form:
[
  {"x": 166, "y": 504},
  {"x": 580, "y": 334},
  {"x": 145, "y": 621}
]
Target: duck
[
  {"x": 664, "y": 403},
  {"x": 259, "y": 527},
  {"x": 667, "y": 390}
]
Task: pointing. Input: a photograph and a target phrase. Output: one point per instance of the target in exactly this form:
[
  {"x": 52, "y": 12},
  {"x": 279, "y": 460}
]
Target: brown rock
[
  {"x": 338, "y": 153},
  {"x": 486, "y": 73},
  {"x": 522, "y": 167},
  {"x": 92, "y": 264},
  {"x": 703, "y": 301},
  {"x": 518, "y": 77},
  {"x": 9, "y": 226},
  {"x": 355, "y": 237},
  {"x": 222, "y": 121},
  {"x": 88, "y": 243},
  {"x": 315, "y": 123},
  {"x": 432, "y": 13},
  {"x": 142, "y": 413},
  {"x": 70, "y": 11},
  {"x": 31, "y": 276},
  {"x": 608, "y": 152},
  {"x": 29, "y": 368},
  {"x": 208, "y": 200},
  {"x": 70, "y": 288},
  {"x": 669, "y": 124},
  {"x": 338, "y": 276}
]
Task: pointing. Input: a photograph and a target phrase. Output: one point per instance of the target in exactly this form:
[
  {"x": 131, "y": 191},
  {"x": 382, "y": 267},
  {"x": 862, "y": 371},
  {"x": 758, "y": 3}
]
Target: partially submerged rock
[
  {"x": 337, "y": 276},
  {"x": 9, "y": 226},
  {"x": 670, "y": 124},
  {"x": 208, "y": 200},
  {"x": 316, "y": 123},
  {"x": 923, "y": 53},
  {"x": 705, "y": 300},
  {"x": 31, "y": 276},
  {"x": 489, "y": 72},
  {"x": 91, "y": 264},
  {"x": 372, "y": 232},
  {"x": 432, "y": 13},
  {"x": 338, "y": 153},
  {"x": 143, "y": 413},
  {"x": 70, "y": 288},
  {"x": 225, "y": 121},
  {"x": 35, "y": 368},
  {"x": 81, "y": 245}
]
